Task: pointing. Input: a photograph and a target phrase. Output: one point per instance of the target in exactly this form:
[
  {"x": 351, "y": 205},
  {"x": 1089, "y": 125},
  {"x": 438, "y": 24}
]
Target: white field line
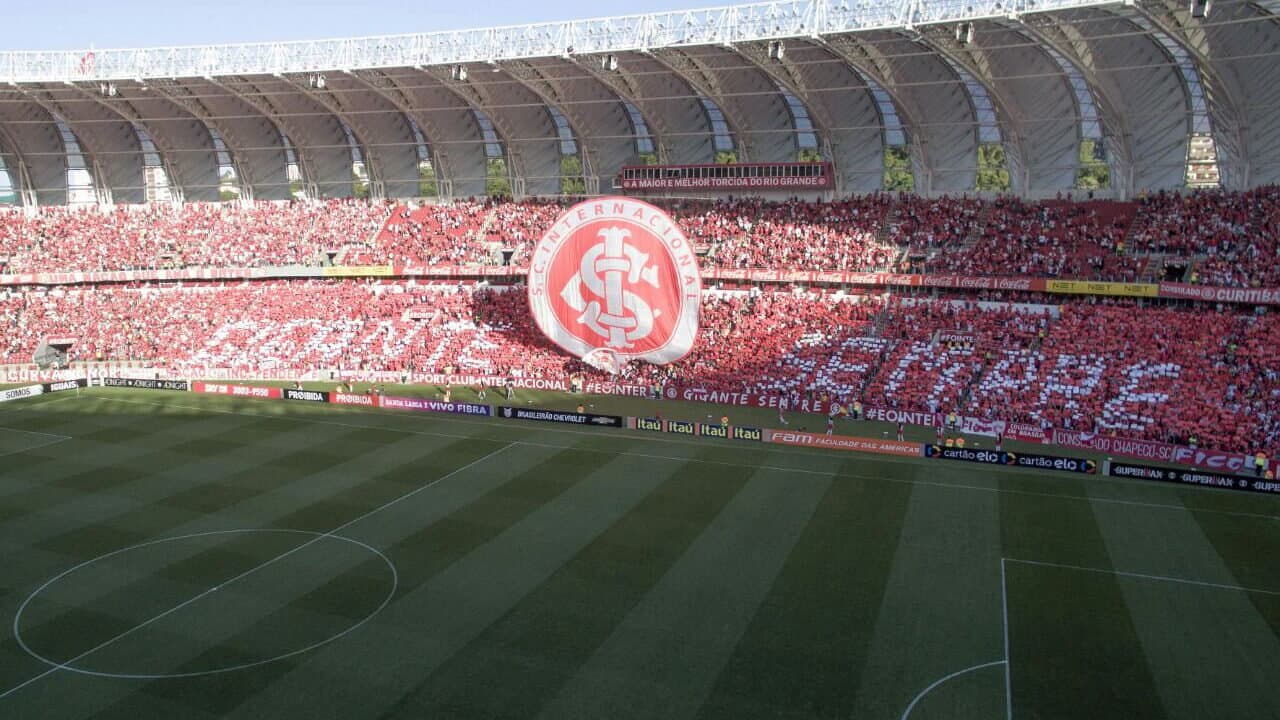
[
  {"x": 907, "y": 713},
  {"x": 31, "y": 404},
  {"x": 675, "y": 441},
  {"x": 1004, "y": 614},
  {"x": 1004, "y": 600},
  {"x": 58, "y": 439},
  {"x": 185, "y": 603},
  {"x": 1142, "y": 576},
  {"x": 395, "y": 585},
  {"x": 33, "y": 432}
]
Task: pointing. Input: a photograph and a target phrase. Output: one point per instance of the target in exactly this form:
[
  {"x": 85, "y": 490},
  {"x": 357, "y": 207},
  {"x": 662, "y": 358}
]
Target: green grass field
[{"x": 170, "y": 555}]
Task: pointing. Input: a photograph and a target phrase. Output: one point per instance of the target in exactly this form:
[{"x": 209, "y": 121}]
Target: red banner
[
  {"x": 498, "y": 382},
  {"x": 1026, "y": 432},
  {"x": 906, "y": 417},
  {"x": 457, "y": 271},
  {"x": 1213, "y": 460},
  {"x": 1152, "y": 450},
  {"x": 1209, "y": 293},
  {"x": 612, "y": 388},
  {"x": 33, "y": 374},
  {"x": 272, "y": 393},
  {"x": 1174, "y": 291},
  {"x": 816, "y": 182},
  {"x": 732, "y": 176},
  {"x": 353, "y": 399},
  {"x": 72, "y": 278},
  {"x": 978, "y": 426},
  {"x": 742, "y": 399},
  {"x": 493, "y": 381},
  {"x": 872, "y": 279},
  {"x": 844, "y": 442}
]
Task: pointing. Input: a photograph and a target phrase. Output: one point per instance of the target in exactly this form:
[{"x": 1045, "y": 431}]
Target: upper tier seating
[{"x": 1222, "y": 238}]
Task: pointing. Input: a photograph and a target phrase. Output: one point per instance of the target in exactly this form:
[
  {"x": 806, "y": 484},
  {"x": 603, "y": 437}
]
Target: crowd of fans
[
  {"x": 1235, "y": 236},
  {"x": 921, "y": 373},
  {"x": 809, "y": 235},
  {"x": 1148, "y": 372},
  {"x": 1046, "y": 239},
  {"x": 1221, "y": 238},
  {"x": 429, "y": 235},
  {"x": 926, "y": 227},
  {"x": 1159, "y": 373},
  {"x": 59, "y": 239}
]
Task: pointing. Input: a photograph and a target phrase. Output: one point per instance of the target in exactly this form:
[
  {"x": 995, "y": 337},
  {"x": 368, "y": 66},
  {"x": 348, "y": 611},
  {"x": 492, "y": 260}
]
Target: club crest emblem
[{"x": 615, "y": 280}]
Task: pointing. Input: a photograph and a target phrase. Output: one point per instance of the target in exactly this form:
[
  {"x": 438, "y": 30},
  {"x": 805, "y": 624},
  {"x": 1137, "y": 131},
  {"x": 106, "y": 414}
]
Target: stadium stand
[
  {"x": 58, "y": 239},
  {"x": 1036, "y": 241},
  {"x": 795, "y": 234},
  {"x": 1046, "y": 239},
  {"x": 1233, "y": 239},
  {"x": 1222, "y": 238},
  {"x": 1075, "y": 366}
]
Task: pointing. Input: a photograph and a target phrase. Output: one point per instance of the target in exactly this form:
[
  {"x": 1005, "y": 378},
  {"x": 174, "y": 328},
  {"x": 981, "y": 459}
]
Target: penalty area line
[
  {"x": 1142, "y": 576},
  {"x": 36, "y": 402},
  {"x": 1004, "y": 614},
  {"x": 1004, "y": 602},
  {"x": 33, "y": 432},
  {"x": 55, "y": 441},
  {"x": 907, "y": 713}
]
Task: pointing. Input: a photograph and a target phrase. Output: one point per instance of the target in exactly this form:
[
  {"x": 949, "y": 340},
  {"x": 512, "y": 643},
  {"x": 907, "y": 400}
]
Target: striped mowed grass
[{"x": 169, "y": 555}]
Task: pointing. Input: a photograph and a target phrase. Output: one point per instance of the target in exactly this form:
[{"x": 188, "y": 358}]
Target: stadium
[{"x": 802, "y": 359}]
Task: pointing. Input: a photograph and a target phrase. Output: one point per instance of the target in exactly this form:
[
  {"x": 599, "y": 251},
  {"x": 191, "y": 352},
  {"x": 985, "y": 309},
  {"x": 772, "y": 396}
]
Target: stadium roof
[{"x": 1163, "y": 88}]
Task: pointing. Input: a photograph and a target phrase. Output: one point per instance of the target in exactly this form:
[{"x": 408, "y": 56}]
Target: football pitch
[{"x": 172, "y": 555}]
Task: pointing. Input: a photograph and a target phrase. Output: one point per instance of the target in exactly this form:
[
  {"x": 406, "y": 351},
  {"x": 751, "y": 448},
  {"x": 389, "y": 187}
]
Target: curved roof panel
[{"x": 1153, "y": 84}]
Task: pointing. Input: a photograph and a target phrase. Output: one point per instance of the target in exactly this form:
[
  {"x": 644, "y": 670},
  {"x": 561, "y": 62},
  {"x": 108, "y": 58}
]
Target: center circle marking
[{"x": 69, "y": 666}]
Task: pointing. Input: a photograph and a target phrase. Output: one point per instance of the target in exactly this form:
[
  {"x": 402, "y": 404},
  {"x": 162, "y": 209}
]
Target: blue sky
[{"x": 65, "y": 25}]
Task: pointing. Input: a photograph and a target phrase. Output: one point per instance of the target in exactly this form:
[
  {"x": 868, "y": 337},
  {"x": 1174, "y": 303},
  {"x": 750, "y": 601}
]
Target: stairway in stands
[
  {"x": 360, "y": 251},
  {"x": 888, "y": 233},
  {"x": 305, "y": 240},
  {"x": 1154, "y": 268},
  {"x": 1130, "y": 216},
  {"x": 481, "y": 233},
  {"x": 362, "y": 254},
  {"x": 979, "y": 227},
  {"x": 1137, "y": 218},
  {"x": 882, "y": 317},
  {"x": 878, "y": 324},
  {"x": 1193, "y": 266}
]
